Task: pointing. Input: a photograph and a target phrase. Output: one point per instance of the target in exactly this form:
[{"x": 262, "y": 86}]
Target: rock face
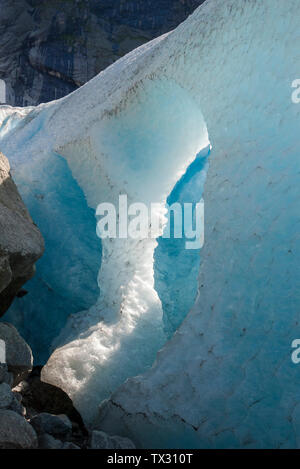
[
  {"x": 21, "y": 243},
  {"x": 48, "y": 49}
]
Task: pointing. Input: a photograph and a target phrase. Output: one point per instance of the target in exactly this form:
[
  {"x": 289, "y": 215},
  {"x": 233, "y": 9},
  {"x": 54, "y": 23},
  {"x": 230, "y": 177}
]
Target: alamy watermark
[
  {"x": 140, "y": 221},
  {"x": 296, "y": 353},
  {"x": 295, "y": 356},
  {"x": 296, "y": 93}
]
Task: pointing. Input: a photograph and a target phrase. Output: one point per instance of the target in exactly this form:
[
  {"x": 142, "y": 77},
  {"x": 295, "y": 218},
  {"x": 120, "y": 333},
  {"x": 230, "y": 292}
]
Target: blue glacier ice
[
  {"x": 225, "y": 378},
  {"x": 66, "y": 278},
  {"x": 175, "y": 267}
]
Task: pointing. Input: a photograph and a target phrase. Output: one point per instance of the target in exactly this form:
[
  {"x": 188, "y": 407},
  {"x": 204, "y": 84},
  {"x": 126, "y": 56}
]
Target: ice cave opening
[{"x": 147, "y": 151}]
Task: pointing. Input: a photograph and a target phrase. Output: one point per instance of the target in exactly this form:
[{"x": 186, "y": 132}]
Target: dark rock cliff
[
  {"x": 21, "y": 243},
  {"x": 50, "y": 47}
]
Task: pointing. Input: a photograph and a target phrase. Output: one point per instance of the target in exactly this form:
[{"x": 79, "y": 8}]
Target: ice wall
[
  {"x": 66, "y": 276},
  {"x": 226, "y": 378}
]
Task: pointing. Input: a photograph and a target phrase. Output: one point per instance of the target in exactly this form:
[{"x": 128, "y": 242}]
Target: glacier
[{"x": 225, "y": 379}]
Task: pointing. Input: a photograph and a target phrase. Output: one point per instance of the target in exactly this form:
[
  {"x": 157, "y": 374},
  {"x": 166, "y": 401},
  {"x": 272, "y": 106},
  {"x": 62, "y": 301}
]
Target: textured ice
[
  {"x": 226, "y": 378},
  {"x": 66, "y": 278}
]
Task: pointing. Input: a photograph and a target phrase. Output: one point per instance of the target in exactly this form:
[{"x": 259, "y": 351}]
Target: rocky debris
[
  {"x": 16, "y": 432},
  {"x": 54, "y": 425},
  {"x": 17, "y": 406},
  {"x": 100, "y": 440},
  {"x": 58, "y": 432},
  {"x": 25, "y": 418},
  {"x": 19, "y": 358},
  {"x": 21, "y": 243},
  {"x": 10, "y": 400},
  {"x": 45, "y": 408},
  {"x": 43, "y": 397}
]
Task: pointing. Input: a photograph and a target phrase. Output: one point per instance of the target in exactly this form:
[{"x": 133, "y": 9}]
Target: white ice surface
[{"x": 226, "y": 378}]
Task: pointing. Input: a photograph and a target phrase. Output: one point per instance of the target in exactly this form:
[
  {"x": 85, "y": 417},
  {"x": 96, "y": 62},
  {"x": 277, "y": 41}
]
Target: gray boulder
[
  {"x": 15, "y": 432},
  {"x": 6, "y": 396},
  {"x": 10, "y": 400},
  {"x": 55, "y": 425},
  {"x": 17, "y": 406},
  {"x": 5, "y": 376},
  {"x": 100, "y": 440},
  {"x": 21, "y": 243},
  {"x": 18, "y": 353}
]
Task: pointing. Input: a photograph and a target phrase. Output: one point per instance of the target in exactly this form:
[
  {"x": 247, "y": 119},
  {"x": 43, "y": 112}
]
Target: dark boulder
[{"x": 21, "y": 243}]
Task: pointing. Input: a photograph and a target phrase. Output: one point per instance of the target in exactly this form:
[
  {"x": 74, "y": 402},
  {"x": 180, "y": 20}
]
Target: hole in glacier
[
  {"x": 66, "y": 276},
  {"x": 143, "y": 148},
  {"x": 2, "y": 92},
  {"x": 151, "y": 142}
]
